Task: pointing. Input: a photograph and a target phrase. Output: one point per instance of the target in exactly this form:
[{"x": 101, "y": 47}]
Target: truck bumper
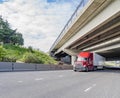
[{"x": 80, "y": 68}]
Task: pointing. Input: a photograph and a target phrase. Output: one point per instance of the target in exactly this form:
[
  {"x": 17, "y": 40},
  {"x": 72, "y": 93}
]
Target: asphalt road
[{"x": 60, "y": 84}]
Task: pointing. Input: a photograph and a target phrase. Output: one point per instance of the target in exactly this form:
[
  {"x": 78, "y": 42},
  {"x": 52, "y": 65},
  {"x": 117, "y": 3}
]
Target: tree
[
  {"x": 17, "y": 39},
  {"x": 8, "y": 35}
]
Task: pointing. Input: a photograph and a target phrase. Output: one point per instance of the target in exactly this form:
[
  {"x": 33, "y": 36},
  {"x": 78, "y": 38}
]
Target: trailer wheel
[{"x": 95, "y": 68}]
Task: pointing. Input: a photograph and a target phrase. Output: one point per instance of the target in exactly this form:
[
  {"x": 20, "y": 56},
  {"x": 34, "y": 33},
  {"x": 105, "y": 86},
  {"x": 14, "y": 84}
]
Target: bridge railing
[{"x": 70, "y": 21}]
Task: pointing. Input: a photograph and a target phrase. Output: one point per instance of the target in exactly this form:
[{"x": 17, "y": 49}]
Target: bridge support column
[{"x": 73, "y": 59}]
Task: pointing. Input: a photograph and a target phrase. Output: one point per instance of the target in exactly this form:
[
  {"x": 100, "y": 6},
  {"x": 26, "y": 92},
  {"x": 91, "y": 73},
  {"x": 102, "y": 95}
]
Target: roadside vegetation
[
  {"x": 12, "y": 50},
  {"x": 12, "y": 53},
  {"x": 8, "y": 35}
]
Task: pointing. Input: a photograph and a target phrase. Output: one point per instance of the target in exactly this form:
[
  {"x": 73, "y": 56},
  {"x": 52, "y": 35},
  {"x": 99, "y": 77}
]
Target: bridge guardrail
[{"x": 70, "y": 21}]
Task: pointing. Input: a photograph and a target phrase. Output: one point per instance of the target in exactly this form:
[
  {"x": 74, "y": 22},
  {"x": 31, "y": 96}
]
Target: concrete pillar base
[{"x": 73, "y": 59}]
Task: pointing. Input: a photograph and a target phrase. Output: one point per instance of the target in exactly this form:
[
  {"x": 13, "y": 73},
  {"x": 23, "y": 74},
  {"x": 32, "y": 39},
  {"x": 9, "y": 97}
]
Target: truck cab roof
[{"x": 84, "y": 54}]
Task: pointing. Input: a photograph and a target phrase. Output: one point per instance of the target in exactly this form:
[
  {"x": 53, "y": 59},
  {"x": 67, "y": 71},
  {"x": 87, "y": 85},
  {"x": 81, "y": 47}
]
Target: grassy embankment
[
  {"x": 115, "y": 63},
  {"x": 12, "y": 53}
]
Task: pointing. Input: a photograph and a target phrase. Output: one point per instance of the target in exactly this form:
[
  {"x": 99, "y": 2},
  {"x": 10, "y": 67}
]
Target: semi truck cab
[{"x": 87, "y": 61}]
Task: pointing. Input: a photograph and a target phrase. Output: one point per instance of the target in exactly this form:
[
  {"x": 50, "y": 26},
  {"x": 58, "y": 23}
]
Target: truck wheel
[
  {"x": 95, "y": 68},
  {"x": 74, "y": 69}
]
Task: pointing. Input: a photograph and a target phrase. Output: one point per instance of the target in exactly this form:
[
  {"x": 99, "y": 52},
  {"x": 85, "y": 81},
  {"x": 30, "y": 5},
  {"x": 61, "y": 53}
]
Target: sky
[{"x": 40, "y": 21}]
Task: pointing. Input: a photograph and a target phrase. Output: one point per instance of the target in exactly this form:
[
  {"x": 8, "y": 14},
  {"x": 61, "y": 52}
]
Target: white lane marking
[
  {"x": 86, "y": 90},
  {"x": 38, "y": 79},
  {"x": 19, "y": 81},
  {"x": 60, "y": 76}
]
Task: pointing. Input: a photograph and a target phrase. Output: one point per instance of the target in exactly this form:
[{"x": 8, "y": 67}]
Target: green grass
[
  {"x": 27, "y": 55},
  {"x": 112, "y": 63}
]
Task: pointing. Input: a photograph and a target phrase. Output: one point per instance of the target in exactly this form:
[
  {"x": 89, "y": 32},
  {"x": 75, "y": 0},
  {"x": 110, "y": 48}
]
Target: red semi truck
[{"x": 87, "y": 61}]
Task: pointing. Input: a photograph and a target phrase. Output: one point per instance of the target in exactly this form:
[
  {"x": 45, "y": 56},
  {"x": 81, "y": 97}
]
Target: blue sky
[
  {"x": 40, "y": 21},
  {"x": 51, "y": 0},
  {"x": 59, "y": 1},
  {"x": 1, "y": 1}
]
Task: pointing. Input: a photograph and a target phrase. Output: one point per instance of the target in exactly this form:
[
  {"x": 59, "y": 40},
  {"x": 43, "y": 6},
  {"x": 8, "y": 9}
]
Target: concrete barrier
[
  {"x": 23, "y": 66},
  {"x": 6, "y": 66},
  {"x": 9, "y": 66}
]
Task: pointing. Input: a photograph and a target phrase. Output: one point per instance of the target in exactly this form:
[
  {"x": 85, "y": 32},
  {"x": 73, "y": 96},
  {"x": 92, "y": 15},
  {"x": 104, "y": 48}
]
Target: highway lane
[{"x": 60, "y": 84}]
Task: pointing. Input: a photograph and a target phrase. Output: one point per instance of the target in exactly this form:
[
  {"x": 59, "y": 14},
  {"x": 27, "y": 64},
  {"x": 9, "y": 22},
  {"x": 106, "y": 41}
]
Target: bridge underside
[
  {"x": 105, "y": 35},
  {"x": 104, "y": 39},
  {"x": 96, "y": 34},
  {"x": 107, "y": 32},
  {"x": 113, "y": 53}
]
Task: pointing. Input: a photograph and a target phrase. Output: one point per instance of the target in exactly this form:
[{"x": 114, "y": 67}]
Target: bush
[
  {"x": 31, "y": 58},
  {"x": 30, "y": 49},
  {"x": 9, "y": 59},
  {"x": 13, "y": 53},
  {"x": 46, "y": 59},
  {"x": 2, "y": 53}
]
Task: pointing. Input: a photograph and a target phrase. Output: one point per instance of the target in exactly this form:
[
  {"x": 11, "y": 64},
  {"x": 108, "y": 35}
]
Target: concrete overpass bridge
[{"x": 94, "y": 26}]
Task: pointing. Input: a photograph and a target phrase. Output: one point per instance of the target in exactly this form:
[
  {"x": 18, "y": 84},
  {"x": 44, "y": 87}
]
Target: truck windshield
[{"x": 81, "y": 59}]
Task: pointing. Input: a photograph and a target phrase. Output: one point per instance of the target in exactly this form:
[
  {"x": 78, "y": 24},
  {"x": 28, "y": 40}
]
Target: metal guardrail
[
  {"x": 12, "y": 66},
  {"x": 70, "y": 21}
]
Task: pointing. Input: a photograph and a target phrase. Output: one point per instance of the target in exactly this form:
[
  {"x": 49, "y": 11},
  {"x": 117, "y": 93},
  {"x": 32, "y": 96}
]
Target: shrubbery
[
  {"x": 12, "y": 53},
  {"x": 2, "y": 53},
  {"x": 9, "y": 59},
  {"x": 31, "y": 58}
]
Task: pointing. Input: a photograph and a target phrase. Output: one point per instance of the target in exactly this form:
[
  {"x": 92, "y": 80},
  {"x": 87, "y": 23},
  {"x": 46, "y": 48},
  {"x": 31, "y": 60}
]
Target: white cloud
[{"x": 40, "y": 22}]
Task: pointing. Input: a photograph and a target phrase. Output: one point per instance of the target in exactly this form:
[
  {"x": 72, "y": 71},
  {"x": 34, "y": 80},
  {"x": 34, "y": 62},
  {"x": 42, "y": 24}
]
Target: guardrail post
[
  {"x": 35, "y": 67},
  {"x": 12, "y": 66}
]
